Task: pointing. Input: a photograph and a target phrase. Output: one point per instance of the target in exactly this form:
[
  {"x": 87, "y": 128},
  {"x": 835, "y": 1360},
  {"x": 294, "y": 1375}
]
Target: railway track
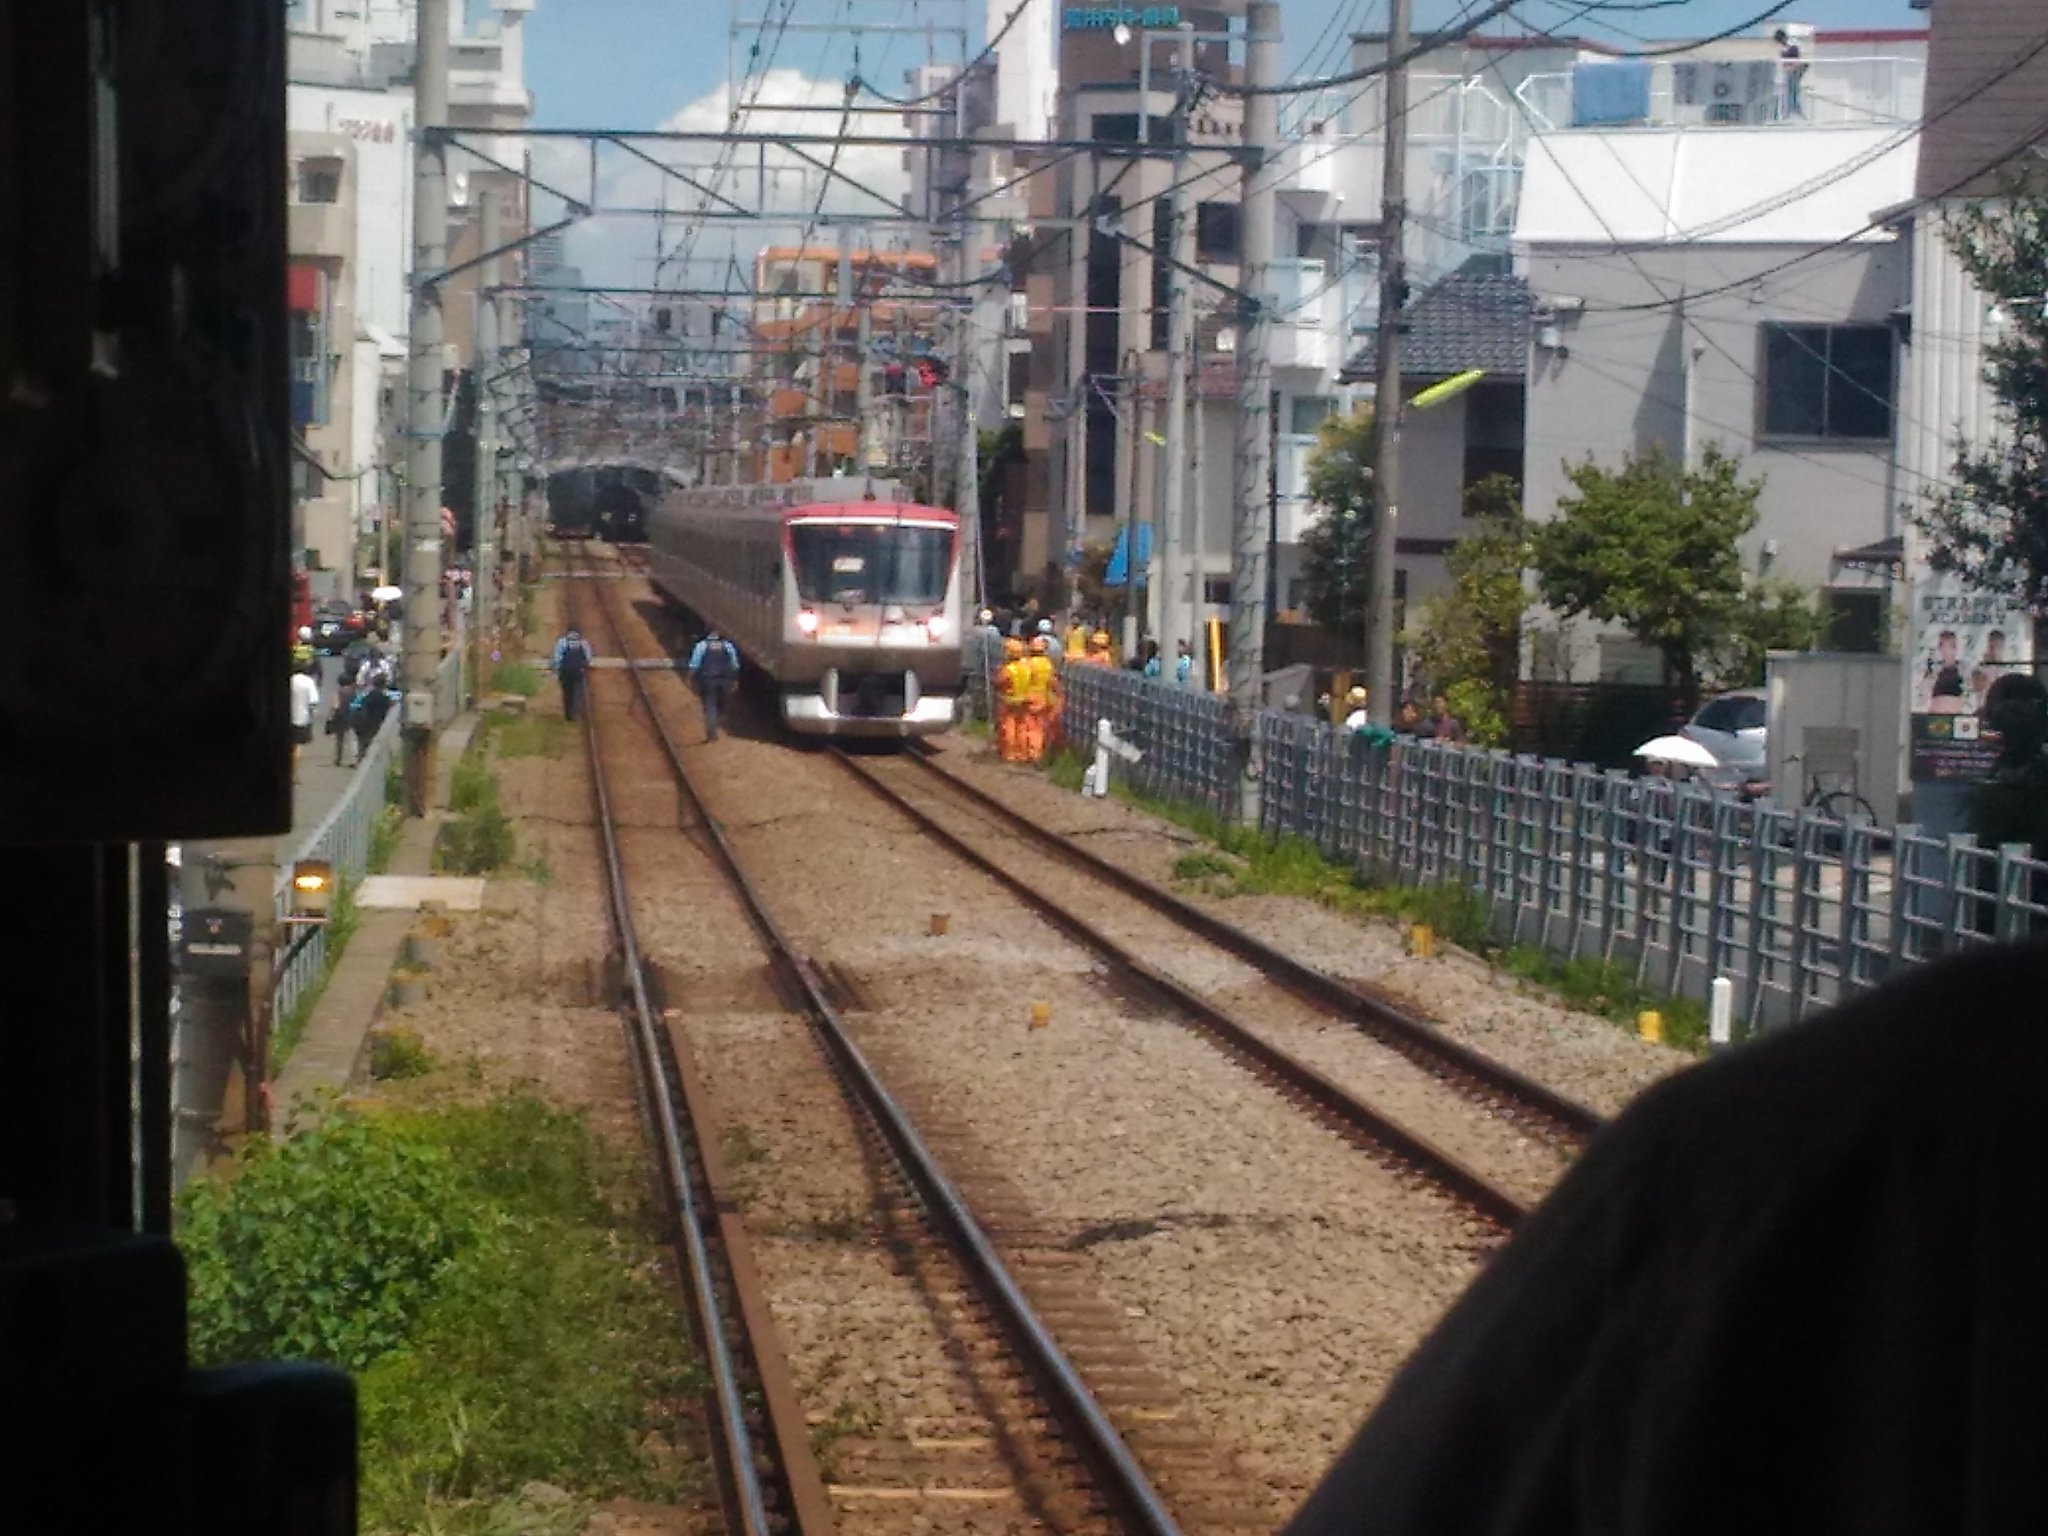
[
  {"x": 770, "y": 1482},
  {"x": 1506, "y": 1122},
  {"x": 1056, "y": 1403}
]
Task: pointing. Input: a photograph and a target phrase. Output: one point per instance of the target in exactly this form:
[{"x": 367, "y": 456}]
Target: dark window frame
[{"x": 1794, "y": 355}]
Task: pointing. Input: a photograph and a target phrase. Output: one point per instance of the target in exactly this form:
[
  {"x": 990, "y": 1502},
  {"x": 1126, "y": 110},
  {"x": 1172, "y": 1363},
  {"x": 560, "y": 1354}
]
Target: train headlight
[
  {"x": 807, "y": 621},
  {"x": 935, "y": 626}
]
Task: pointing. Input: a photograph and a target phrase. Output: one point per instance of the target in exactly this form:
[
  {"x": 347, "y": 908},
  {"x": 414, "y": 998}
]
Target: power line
[{"x": 857, "y": 83}]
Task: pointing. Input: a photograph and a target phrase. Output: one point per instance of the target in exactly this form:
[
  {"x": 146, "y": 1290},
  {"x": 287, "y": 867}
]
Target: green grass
[
  {"x": 1066, "y": 768},
  {"x": 534, "y": 736},
  {"x": 384, "y": 837},
  {"x": 477, "y": 839},
  {"x": 399, "y": 1053},
  {"x": 1240, "y": 862},
  {"x": 507, "y": 1318},
  {"x": 520, "y": 678},
  {"x": 538, "y": 870}
]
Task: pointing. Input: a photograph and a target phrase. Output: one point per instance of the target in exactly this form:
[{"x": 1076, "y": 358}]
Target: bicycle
[{"x": 1836, "y": 802}]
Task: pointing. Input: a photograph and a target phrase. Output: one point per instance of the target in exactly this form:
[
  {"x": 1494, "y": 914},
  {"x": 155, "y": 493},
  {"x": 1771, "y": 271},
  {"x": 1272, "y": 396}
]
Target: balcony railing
[{"x": 1837, "y": 92}]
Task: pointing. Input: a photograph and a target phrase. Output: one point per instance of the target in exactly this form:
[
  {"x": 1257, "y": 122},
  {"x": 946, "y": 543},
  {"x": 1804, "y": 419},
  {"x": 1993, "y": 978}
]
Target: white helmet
[
  {"x": 305, "y": 631},
  {"x": 1045, "y": 626}
]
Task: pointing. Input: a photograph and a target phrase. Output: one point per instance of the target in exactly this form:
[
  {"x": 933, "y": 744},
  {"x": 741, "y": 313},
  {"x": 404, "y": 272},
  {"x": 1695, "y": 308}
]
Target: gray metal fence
[
  {"x": 342, "y": 839},
  {"x": 1679, "y": 883}
]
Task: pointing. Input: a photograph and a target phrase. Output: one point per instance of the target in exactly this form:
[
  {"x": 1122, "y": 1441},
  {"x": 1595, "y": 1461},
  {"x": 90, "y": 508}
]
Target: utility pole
[
  {"x": 967, "y": 446},
  {"x": 1132, "y": 384},
  {"x": 1386, "y": 410},
  {"x": 1080, "y": 235},
  {"x": 1173, "y": 624},
  {"x": 484, "y": 496},
  {"x": 1254, "y": 403},
  {"x": 1198, "y": 515},
  {"x": 425, "y": 409}
]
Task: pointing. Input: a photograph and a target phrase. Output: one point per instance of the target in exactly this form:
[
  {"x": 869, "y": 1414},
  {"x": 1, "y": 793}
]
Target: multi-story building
[
  {"x": 1982, "y": 136},
  {"x": 349, "y": 65},
  {"x": 844, "y": 363},
  {"x": 321, "y": 241}
]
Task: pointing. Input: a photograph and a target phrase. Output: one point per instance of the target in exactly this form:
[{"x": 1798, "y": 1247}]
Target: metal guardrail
[
  {"x": 1678, "y": 883},
  {"x": 342, "y": 839}
]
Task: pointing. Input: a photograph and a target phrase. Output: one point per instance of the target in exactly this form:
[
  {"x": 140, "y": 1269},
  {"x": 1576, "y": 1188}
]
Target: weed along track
[
  {"x": 898, "y": 1368},
  {"x": 1484, "y": 1135}
]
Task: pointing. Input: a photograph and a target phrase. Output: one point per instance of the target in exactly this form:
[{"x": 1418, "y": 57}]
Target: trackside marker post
[{"x": 1721, "y": 1013}]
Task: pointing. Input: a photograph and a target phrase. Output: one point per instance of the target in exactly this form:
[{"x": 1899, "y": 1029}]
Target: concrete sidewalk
[{"x": 329, "y": 1051}]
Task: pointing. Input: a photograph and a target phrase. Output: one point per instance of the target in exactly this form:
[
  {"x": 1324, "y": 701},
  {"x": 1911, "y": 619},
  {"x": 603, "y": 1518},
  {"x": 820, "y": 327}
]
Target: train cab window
[{"x": 871, "y": 565}]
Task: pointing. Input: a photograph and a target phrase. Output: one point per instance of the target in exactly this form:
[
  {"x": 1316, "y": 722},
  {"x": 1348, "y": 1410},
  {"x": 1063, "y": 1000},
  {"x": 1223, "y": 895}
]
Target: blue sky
[{"x": 632, "y": 63}]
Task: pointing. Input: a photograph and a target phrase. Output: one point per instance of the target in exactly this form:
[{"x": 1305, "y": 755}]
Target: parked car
[
  {"x": 335, "y": 627},
  {"x": 1732, "y": 727}
]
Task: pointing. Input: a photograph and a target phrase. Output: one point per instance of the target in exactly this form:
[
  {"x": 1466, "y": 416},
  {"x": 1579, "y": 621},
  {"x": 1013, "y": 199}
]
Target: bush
[
  {"x": 471, "y": 785},
  {"x": 478, "y": 840},
  {"x": 396, "y": 1053},
  {"x": 504, "y": 1322},
  {"x": 478, "y": 843},
  {"x": 324, "y": 1247}
]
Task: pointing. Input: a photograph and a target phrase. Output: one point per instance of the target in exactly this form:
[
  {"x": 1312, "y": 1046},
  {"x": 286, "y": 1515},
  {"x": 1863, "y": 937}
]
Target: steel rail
[
  {"x": 1414, "y": 1038},
  {"x": 1338, "y": 1104},
  {"x": 744, "y": 1463},
  {"x": 1121, "y": 1478}
]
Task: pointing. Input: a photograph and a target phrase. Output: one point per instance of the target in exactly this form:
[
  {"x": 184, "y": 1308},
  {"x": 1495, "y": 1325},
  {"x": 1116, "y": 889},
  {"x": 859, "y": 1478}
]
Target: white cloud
[{"x": 619, "y": 250}]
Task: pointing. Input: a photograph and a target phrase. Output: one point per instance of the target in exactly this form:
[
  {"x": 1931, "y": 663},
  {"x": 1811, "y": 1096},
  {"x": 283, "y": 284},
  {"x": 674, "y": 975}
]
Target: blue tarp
[
  {"x": 1114, "y": 576},
  {"x": 1610, "y": 93}
]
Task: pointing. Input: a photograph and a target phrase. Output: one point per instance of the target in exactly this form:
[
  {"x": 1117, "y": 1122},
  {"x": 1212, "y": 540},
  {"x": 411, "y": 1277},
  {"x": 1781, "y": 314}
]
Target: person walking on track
[
  {"x": 714, "y": 667},
  {"x": 1041, "y": 700},
  {"x": 1013, "y": 690},
  {"x": 571, "y": 665}
]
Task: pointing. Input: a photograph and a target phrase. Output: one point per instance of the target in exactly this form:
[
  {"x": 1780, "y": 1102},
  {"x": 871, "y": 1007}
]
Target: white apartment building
[{"x": 349, "y": 81}]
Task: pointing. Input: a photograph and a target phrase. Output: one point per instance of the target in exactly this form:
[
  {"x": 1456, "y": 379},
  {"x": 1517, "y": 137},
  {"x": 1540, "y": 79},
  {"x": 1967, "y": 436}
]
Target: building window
[
  {"x": 1217, "y": 227},
  {"x": 1307, "y": 412},
  {"x": 1854, "y": 621},
  {"x": 1828, "y": 381},
  {"x": 320, "y": 181}
]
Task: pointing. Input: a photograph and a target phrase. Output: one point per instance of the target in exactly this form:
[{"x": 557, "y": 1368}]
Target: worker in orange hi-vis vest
[
  {"x": 1012, "y": 692},
  {"x": 1041, "y": 699}
]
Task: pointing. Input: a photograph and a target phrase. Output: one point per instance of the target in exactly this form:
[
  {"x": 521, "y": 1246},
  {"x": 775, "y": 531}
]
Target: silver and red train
[{"x": 843, "y": 594}]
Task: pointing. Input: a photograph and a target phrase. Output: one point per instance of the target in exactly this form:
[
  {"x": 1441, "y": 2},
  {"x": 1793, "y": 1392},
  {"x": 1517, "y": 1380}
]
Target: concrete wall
[
  {"x": 1864, "y": 693},
  {"x": 1682, "y": 377}
]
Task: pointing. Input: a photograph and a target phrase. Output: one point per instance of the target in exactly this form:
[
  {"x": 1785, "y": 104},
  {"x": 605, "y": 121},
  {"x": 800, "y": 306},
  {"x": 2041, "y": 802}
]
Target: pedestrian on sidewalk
[
  {"x": 366, "y": 714},
  {"x": 571, "y": 666},
  {"x": 338, "y": 718},
  {"x": 305, "y": 703},
  {"x": 714, "y": 665}
]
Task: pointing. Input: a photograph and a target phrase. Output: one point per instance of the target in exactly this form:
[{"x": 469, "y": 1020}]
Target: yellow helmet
[
  {"x": 1100, "y": 639},
  {"x": 1012, "y": 648},
  {"x": 1039, "y": 646}
]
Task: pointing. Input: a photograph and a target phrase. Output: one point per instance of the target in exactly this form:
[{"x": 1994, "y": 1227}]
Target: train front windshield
[{"x": 841, "y": 563}]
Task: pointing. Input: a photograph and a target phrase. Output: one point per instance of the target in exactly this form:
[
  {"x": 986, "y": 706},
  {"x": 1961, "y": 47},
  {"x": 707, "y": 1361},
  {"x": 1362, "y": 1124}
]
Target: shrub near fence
[{"x": 1677, "y": 882}]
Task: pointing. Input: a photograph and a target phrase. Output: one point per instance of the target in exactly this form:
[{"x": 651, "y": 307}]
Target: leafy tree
[
  {"x": 1337, "y": 551},
  {"x": 1653, "y": 547},
  {"x": 1465, "y": 639},
  {"x": 1992, "y": 528},
  {"x": 1772, "y": 616}
]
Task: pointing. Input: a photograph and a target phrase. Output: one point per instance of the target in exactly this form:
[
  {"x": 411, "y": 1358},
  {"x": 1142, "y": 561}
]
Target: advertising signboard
[{"x": 1963, "y": 641}]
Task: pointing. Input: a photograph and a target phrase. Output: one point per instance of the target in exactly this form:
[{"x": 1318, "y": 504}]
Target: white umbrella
[
  {"x": 1678, "y": 749},
  {"x": 387, "y": 594}
]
